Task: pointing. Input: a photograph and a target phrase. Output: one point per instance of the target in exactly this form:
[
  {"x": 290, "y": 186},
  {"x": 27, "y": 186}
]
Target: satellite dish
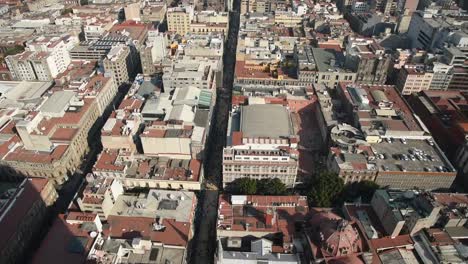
[{"x": 93, "y": 234}]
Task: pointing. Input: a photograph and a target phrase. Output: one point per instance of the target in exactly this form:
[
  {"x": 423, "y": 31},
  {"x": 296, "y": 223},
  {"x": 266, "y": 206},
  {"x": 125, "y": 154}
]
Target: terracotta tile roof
[
  {"x": 80, "y": 216},
  {"x": 175, "y": 233},
  {"x": 106, "y": 161},
  {"x": 388, "y": 242},
  {"x": 236, "y": 216},
  {"x": 64, "y": 134},
  {"x": 21, "y": 154}
]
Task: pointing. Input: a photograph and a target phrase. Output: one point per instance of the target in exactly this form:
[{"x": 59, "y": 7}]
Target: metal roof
[{"x": 267, "y": 120}]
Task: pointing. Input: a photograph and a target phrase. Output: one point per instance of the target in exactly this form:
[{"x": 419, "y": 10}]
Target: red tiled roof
[
  {"x": 106, "y": 161},
  {"x": 195, "y": 166},
  {"x": 21, "y": 154},
  {"x": 388, "y": 242},
  {"x": 64, "y": 134},
  {"x": 175, "y": 233}
]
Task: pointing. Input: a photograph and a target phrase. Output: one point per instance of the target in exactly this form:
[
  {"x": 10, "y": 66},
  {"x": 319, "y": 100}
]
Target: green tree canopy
[
  {"x": 271, "y": 187},
  {"x": 14, "y": 50},
  {"x": 363, "y": 190},
  {"x": 245, "y": 186},
  {"x": 325, "y": 189}
]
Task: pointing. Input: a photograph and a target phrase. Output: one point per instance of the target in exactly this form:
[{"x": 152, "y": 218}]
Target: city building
[
  {"x": 442, "y": 75},
  {"x": 427, "y": 31},
  {"x": 135, "y": 171},
  {"x": 413, "y": 79},
  {"x": 383, "y": 140},
  {"x": 132, "y": 12},
  {"x": 24, "y": 209},
  {"x": 70, "y": 238},
  {"x": 122, "y": 126},
  {"x": 43, "y": 60},
  {"x": 206, "y": 22},
  {"x": 202, "y": 74},
  {"x": 51, "y": 137},
  {"x": 159, "y": 224},
  {"x": 230, "y": 250},
  {"x": 442, "y": 114},
  {"x": 118, "y": 63},
  {"x": 100, "y": 195},
  {"x": 260, "y": 147},
  {"x": 411, "y": 226},
  {"x": 332, "y": 239},
  {"x": 179, "y": 19},
  {"x": 241, "y": 216},
  {"x": 322, "y": 66},
  {"x": 456, "y": 57},
  {"x": 369, "y": 60}
]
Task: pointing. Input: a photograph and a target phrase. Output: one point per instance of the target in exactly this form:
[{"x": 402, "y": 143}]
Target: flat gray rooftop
[
  {"x": 267, "y": 120},
  {"x": 57, "y": 102},
  {"x": 391, "y": 150},
  {"x": 162, "y": 203},
  {"x": 327, "y": 60}
]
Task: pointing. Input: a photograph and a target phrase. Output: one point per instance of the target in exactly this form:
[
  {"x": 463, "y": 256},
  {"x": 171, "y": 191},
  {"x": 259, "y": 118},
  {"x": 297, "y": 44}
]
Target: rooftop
[
  {"x": 176, "y": 205},
  {"x": 256, "y": 121}
]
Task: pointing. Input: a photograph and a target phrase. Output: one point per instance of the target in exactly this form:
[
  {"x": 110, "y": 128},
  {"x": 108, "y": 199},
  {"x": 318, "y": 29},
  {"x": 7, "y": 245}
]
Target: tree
[
  {"x": 14, "y": 50},
  {"x": 363, "y": 190},
  {"x": 271, "y": 187},
  {"x": 325, "y": 189},
  {"x": 66, "y": 11},
  {"x": 245, "y": 186}
]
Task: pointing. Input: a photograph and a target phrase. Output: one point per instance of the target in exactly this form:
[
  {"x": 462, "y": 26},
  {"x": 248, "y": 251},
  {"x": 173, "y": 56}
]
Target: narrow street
[{"x": 204, "y": 241}]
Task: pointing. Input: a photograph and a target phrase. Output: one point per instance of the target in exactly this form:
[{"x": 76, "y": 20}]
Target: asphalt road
[{"x": 204, "y": 241}]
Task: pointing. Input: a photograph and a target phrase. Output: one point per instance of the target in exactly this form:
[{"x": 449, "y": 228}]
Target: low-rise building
[
  {"x": 121, "y": 128},
  {"x": 203, "y": 74},
  {"x": 138, "y": 171},
  {"x": 441, "y": 112},
  {"x": 259, "y": 216},
  {"x": 369, "y": 60},
  {"x": 383, "y": 140},
  {"x": 100, "y": 195}
]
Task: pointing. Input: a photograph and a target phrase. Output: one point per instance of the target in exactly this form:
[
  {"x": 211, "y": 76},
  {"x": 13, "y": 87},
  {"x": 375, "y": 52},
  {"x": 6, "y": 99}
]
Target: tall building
[
  {"x": 118, "y": 62},
  {"x": 457, "y": 57},
  {"x": 44, "y": 59},
  {"x": 428, "y": 32},
  {"x": 442, "y": 75},
  {"x": 23, "y": 213},
  {"x": 179, "y": 19}
]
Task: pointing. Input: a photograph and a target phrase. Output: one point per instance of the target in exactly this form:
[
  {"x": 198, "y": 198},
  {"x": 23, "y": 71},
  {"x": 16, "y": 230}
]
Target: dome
[{"x": 335, "y": 236}]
